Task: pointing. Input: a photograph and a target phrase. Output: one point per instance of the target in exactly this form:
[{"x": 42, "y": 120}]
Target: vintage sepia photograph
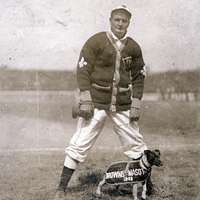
[{"x": 99, "y": 100}]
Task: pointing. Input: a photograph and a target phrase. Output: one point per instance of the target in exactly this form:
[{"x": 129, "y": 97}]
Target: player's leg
[
  {"x": 149, "y": 186},
  {"x": 79, "y": 145},
  {"x": 129, "y": 135},
  {"x": 64, "y": 180},
  {"x": 131, "y": 139}
]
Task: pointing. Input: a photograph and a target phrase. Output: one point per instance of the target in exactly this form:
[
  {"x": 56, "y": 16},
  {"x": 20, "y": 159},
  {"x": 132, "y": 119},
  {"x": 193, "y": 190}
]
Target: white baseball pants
[{"x": 88, "y": 131}]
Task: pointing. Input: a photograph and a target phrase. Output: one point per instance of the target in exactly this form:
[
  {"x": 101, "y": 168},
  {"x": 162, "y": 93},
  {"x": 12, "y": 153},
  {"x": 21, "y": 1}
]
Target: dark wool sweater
[{"x": 97, "y": 66}]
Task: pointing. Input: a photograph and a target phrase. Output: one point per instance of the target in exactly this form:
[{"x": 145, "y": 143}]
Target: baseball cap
[{"x": 122, "y": 7}]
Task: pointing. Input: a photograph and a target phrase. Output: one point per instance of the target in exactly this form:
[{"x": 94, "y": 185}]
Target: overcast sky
[{"x": 48, "y": 34}]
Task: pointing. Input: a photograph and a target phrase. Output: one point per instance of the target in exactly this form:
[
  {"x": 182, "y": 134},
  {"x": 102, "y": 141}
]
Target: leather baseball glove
[{"x": 85, "y": 106}]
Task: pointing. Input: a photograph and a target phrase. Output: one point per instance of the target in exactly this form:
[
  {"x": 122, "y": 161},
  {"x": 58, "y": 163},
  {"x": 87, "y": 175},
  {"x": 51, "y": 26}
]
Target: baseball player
[{"x": 110, "y": 76}]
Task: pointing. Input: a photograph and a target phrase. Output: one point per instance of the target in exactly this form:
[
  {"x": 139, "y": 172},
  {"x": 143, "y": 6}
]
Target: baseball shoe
[
  {"x": 64, "y": 179},
  {"x": 60, "y": 195}
]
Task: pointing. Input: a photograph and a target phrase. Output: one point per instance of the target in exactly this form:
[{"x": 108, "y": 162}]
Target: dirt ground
[{"x": 34, "y": 134}]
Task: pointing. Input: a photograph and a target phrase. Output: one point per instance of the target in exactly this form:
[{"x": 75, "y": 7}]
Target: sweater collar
[{"x": 116, "y": 38}]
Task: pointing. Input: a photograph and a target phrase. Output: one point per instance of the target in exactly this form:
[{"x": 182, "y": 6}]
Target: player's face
[{"x": 119, "y": 23}]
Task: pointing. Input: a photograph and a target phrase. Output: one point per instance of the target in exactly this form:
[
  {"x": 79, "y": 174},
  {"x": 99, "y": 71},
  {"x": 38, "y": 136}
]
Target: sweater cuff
[
  {"x": 85, "y": 96},
  {"x": 135, "y": 103}
]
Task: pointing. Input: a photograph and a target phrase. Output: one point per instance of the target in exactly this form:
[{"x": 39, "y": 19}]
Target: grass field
[
  {"x": 34, "y": 176},
  {"x": 35, "y": 130}
]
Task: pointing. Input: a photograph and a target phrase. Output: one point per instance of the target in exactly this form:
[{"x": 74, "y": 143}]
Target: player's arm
[
  {"x": 86, "y": 64},
  {"x": 137, "y": 79},
  {"x": 85, "y": 67}
]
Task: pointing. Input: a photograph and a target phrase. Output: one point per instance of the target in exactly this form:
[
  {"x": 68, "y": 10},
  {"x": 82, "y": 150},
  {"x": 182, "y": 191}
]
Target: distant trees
[
  {"x": 37, "y": 80},
  {"x": 175, "y": 84},
  {"x": 170, "y": 84}
]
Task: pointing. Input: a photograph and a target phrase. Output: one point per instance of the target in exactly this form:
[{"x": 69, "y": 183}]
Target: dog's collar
[{"x": 144, "y": 163}]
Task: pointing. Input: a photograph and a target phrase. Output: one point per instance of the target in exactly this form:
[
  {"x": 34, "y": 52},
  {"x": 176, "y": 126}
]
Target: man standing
[{"x": 110, "y": 75}]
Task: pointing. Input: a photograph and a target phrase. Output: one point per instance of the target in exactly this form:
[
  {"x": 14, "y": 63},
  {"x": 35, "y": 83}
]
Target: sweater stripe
[{"x": 116, "y": 77}]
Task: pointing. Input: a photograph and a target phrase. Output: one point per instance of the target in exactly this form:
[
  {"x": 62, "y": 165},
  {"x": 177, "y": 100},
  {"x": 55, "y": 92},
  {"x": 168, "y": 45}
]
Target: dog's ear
[
  {"x": 150, "y": 155},
  {"x": 157, "y": 152},
  {"x": 146, "y": 152}
]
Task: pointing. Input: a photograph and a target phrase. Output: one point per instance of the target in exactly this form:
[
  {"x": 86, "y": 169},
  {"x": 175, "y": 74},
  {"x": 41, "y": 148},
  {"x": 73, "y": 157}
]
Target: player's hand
[
  {"x": 86, "y": 108},
  {"x": 134, "y": 114},
  {"x": 135, "y": 110}
]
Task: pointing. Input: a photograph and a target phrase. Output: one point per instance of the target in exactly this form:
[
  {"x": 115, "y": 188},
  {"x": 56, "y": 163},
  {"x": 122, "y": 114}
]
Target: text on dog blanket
[{"x": 125, "y": 174}]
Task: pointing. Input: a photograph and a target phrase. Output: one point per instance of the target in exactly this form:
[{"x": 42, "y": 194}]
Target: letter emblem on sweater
[
  {"x": 127, "y": 61},
  {"x": 82, "y": 62}
]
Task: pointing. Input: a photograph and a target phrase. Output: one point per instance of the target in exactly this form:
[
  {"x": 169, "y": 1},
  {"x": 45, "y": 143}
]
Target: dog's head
[{"x": 153, "y": 157}]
